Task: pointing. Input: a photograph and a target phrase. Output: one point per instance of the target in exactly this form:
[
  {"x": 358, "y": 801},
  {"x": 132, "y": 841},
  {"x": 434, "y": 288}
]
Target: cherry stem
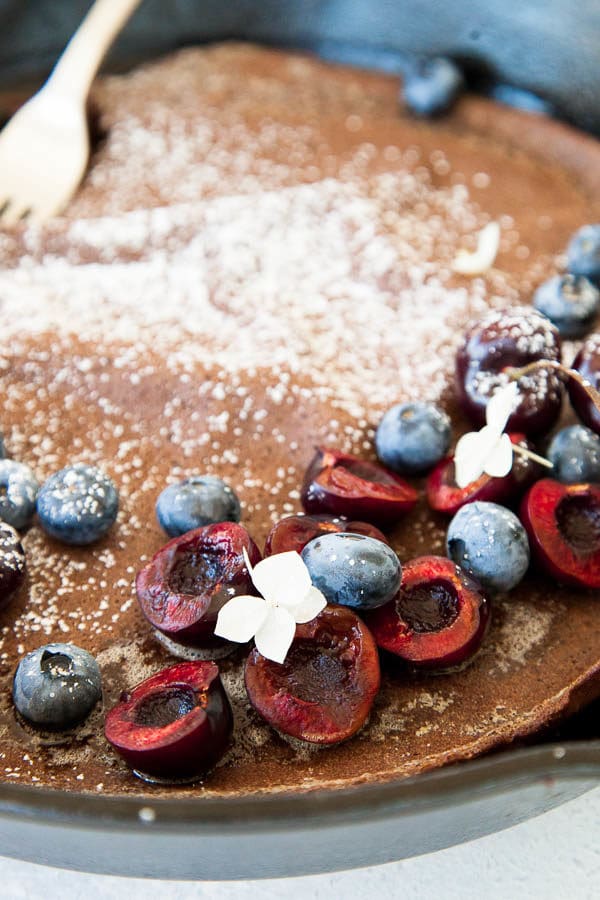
[
  {"x": 540, "y": 364},
  {"x": 523, "y": 451}
]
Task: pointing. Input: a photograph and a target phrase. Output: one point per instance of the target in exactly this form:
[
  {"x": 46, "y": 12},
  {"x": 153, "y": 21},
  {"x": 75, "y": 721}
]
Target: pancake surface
[{"x": 260, "y": 261}]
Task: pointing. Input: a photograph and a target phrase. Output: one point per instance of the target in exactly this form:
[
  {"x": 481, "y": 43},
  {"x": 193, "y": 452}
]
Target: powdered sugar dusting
[
  {"x": 234, "y": 283},
  {"x": 285, "y": 278}
]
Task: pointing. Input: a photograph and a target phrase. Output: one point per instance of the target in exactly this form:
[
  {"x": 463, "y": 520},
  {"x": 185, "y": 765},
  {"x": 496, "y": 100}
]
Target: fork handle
[{"x": 83, "y": 55}]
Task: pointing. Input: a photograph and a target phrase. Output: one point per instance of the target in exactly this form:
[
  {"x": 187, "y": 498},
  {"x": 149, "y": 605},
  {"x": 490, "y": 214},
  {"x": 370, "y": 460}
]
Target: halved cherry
[
  {"x": 563, "y": 524},
  {"x": 438, "y": 618},
  {"x": 344, "y": 485},
  {"x": 176, "y": 724},
  {"x": 444, "y": 495},
  {"x": 186, "y": 583},
  {"x": 294, "y": 532},
  {"x": 325, "y": 689}
]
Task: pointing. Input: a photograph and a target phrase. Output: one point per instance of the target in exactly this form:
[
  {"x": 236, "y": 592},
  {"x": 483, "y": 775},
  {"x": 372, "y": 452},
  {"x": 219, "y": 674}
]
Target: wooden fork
[{"x": 45, "y": 147}]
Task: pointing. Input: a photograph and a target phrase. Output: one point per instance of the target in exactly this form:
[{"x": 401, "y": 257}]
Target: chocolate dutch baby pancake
[{"x": 261, "y": 262}]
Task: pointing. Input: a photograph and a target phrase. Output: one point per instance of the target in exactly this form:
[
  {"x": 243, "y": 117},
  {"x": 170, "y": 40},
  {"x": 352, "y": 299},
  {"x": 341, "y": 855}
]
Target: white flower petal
[
  {"x": 310, "y": 606},
  {"x": 469, "y": 457},
  {"x": 241, "y": 618},
  {"x": 499, "y": 461},
  {"x": 282, "y": 578},
  {"x": 274, "y": 637},
  {"x": 488, "y": 243},
  {"x": 501, "y": 405}
]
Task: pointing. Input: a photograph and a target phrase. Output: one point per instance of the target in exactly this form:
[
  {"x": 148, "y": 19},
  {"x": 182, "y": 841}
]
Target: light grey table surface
[{"x": 553, "y": 857}]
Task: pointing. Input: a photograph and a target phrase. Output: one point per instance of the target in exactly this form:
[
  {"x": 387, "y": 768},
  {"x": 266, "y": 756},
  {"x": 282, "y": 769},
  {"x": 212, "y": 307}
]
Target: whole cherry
[{"x": 504, "y": 340}]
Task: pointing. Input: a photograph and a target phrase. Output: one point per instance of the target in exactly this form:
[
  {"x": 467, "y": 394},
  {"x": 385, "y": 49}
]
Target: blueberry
[
  {"x": 57, "y": 686},
  {"x": 77, "y": 505},
  {"x": 575, "y": 455},
  {"x": 432, "y": 85},
  {"x": 353, "y": 570},
  {"x": 489, "y": 542},
  {"x": 413, "y": 437},
  {"x": 18, "y": 490},
  {"x": 196, "y": 501},
  {"x": 583, "y": 253},
  {"x": 12, "y": 563},
  {"x": 571, "y": 302}
]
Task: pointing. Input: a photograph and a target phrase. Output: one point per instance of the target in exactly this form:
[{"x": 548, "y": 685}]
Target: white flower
[
  {"x": 288, "y": 599},
  {"x": 488, "y": 450},
  {"x": 488, "y": 243}
]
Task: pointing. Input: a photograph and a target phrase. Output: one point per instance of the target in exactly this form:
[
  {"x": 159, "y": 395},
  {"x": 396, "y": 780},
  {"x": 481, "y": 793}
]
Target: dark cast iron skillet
[{"x": 548, "y": 47}]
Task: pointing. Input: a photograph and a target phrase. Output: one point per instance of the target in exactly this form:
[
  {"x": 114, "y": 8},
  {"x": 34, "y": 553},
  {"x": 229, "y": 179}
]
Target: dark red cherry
[
  {"x": 12, "y": 563},
  {"x": 438, "y": 618},
  {"x": 186, "y": 583},
  {"x": 176, "y": 724},
  {"x": 344, "y": 485},
  {"x": 444, "y": 495},
  {"x": 563, "y": 524},
  {"x": 506, "y": 339},
  {"x": 325, "y": 689},
  {"x": 587, "y": 362},
  {"x": 294, "y": 532}
]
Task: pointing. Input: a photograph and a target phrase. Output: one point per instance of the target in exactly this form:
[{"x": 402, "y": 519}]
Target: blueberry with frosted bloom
[
  {"x": 583, "y": 253},
  {"x": 575, "y": 455},
  {"x": 78, "y": 505},
  {"x": 57, "y": 685},
  {"x": 413, "y": 437},
  {"x": 194, "y": 502},
  {"x": 353, "y": 570},
  {"x": 489, "y": 542},
  {"x": 571, "y": 302}
]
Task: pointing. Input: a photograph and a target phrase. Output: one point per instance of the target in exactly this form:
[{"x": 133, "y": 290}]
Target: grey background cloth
[{"x": 549, "y": 47}]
